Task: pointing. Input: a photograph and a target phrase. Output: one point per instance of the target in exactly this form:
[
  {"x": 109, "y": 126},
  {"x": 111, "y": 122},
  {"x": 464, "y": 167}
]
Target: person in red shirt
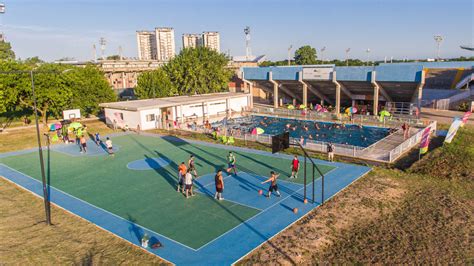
[{"x": 295, "y": 166}]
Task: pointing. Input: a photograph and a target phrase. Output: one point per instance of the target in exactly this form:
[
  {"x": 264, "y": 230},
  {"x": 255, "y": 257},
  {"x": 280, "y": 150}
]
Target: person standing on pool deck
[
  {"x": 181, "y": 173},
  {"x": 330, "y": 150},
  {"x": 273, "y": 185},
  {"x": 219, "y": 185},
  {"x": 108, "y": 144},
  {"x": 188, "y": 182},
  {"x": 295, "y": 166},
  {"x": 83, "y": 142},
  {"x": 191, "y": 166},
  {"x": 231, "y": 163}
]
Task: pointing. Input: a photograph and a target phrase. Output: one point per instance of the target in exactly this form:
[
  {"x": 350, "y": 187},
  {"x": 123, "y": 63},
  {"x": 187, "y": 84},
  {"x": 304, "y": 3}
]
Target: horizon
[{"x": 39, "y": 28}]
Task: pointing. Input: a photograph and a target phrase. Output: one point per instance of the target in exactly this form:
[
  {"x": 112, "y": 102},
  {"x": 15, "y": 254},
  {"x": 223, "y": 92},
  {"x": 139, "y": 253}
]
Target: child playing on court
[
  {"x": 181, "y": 173},
  {"x": 188, "y": 182},
  {"x": 219, "y": 180},
  {"x": 295, "y": 166},
  {"x": 108, "y": 144},
  {"x": 231, "y": 163},
  {"x": 273, "y": 185},
  {"x": 97, "y": 138},
  {"x": 83, "y": 144},
  {"x": 191, "y": 166}
]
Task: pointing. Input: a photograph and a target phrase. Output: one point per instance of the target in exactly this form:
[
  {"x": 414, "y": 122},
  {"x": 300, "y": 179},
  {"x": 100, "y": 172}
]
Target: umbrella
[
  {"x": 302, "y": 106},
  {"x": 291, "y": 107},
  {"x": 58, "y": 125},
  {"x": 75, "y": 125},
  {"x": 52, "y": 127},
  {"x": 257, "y": 131}
]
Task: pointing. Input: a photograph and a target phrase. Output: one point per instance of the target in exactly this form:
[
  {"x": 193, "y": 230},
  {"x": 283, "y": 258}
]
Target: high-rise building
[
  {"x": 211, "y": 40},
  {"x": 146, "y": 43},
  {"x": 192, "y": 40},
  {"x": 165, "y": 45}
]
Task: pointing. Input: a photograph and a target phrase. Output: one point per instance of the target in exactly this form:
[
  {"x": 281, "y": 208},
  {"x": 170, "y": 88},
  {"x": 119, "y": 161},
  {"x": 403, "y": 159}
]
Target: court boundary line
[
  {"x": 99, "y": 208},
  {"x": 291, "y": 224},
  {"x": 263, "y": 211},
  {"x": 84, "y": 219}
]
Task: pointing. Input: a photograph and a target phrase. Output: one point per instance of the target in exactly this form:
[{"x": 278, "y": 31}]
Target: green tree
[
  {"x": 11, "y": 84},
  {"x": 153, "y": 84},
  {"x": 198, "y": 71},
  {"x": 113, "y": 57},
  {"x": 52, "y": 91},
  {"x": 33, "y": 61},
  {"x": 305, "y": 55},
  {"x": 89, "y": 88},
  {"x": 6, "y": 52}
]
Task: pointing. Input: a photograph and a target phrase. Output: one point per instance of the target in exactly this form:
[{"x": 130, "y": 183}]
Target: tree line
[
  {"x": 193, "y": 71},
  {"x": 57, "y": 87}
]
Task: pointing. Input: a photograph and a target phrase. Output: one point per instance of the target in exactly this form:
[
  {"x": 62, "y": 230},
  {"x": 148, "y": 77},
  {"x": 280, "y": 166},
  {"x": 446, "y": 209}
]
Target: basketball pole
[{"x": 304, "y": 198}]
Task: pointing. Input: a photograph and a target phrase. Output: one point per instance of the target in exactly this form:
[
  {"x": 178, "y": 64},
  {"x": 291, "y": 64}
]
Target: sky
[{"x": 53, "y": 29}]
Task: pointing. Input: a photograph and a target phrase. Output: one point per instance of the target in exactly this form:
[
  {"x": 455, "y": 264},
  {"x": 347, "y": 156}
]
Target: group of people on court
[{"x": 186, "y": 178}]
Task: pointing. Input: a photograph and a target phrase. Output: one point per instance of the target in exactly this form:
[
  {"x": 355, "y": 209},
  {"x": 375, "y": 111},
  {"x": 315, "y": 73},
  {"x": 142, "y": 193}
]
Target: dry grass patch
[{"x": 25, "y": 239}]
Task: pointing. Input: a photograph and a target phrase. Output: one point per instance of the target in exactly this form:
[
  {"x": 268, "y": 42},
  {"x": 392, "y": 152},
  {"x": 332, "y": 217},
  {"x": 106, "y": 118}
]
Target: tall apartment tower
[
  {"x": 146, "y": 43},
  {"x": 191, "y": 40},
  {"x": 211, "y": 40},
  {"x": 166, "y": 48}
]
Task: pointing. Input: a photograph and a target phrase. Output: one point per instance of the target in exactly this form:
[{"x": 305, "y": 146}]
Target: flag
[
  {"x": 425, "y": 140},
  {"x": 465, "y": 117},
  {"x": 453, "y": 129}
]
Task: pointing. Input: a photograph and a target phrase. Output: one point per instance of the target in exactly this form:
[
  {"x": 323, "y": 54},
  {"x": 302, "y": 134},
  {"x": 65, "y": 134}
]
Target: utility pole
[
  {"x": 94, "y": 53},
  {"x": 438, "y": 39},
  {"x": 120, "y": 52},
  {"x": 289, "y": 54},
  {"x": 347, "y": 56}
]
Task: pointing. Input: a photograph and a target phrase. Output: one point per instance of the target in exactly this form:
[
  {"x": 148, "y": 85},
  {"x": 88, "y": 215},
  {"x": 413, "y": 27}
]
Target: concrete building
[
  {"x": 211, "y": 39},
  {"x": 192, "y": 40},
  {"x": 165, "y": 44},
  {"x": 146, "y": 43},
  {"x": 163, "y": 112}
]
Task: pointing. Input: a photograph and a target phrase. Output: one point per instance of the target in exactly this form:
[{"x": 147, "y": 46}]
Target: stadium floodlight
[
  {"x": 347, "y": 56},
  {"x": 2, "y": 8},
  {"x": 322, "y": 53},
  {"x": 102, "y": 43},
  {"x": 248, "y": 51},
  {"x": 289, "y": 54},
  {"x": 438, "y": 39},
  {"x": 368, "y": 55}
]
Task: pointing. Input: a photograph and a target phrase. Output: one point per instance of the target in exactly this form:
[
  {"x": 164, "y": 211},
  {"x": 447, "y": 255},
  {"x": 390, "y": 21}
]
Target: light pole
[
  {"x": 347, "y": 56},
  {"x": 289, "y": 53},
  {"x": 47, "y": 205},
  {"x": 322, "y": 54},
  {"x": 438, "y": 39}
]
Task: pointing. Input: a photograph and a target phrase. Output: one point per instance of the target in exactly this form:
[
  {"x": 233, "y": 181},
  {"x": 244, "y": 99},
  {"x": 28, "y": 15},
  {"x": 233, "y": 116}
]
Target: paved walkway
[{"x": 443, "y": 116}]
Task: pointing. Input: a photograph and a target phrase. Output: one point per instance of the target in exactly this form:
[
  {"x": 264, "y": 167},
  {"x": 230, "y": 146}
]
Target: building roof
[{"x": 170, "y": 101}]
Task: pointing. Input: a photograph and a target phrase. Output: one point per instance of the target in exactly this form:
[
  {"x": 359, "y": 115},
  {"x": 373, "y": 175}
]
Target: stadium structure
[{"x": 406, "y": 85}]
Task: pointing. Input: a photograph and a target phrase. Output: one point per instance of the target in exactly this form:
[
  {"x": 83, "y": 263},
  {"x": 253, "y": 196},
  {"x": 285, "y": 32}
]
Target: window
[{"x": 150, "y": 117}]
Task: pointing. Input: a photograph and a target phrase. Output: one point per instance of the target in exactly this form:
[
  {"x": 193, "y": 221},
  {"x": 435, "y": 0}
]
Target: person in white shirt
[
  {"x": 108, "y": 144},
  {"x": 188, "y": 182}
]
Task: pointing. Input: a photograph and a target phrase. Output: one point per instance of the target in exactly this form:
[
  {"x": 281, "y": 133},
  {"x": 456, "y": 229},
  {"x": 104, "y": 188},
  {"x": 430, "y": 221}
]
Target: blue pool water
[{"x": 312, "y": 130}]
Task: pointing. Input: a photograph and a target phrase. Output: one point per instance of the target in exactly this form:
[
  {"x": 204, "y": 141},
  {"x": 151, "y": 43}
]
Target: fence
[
  {"x": 445, "y": 104},
  {"x": 409, "y": 143},
  {"x": 331, "y": 117}
]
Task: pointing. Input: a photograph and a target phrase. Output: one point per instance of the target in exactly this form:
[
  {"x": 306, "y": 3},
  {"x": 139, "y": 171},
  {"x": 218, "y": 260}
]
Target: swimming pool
[{"x": 349, "y": 134}]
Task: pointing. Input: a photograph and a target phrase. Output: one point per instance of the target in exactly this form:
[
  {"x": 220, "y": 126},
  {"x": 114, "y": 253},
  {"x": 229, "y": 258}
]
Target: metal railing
[{"x": 371, "y": 152}]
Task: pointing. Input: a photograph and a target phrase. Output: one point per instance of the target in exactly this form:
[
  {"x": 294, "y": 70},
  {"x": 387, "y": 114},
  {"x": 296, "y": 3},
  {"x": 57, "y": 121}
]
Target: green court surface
[{"x": 149, "y": 197}]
